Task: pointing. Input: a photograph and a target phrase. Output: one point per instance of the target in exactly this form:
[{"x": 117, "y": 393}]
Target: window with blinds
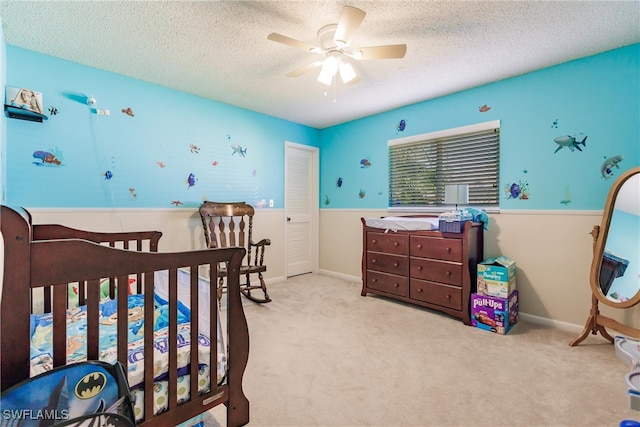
[{"x": 420, "y": 166}]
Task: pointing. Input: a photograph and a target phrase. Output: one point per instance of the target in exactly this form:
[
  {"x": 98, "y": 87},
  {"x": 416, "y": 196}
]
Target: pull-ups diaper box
[
  {"x": 497, "y": 277},
  {"x": 494, "y": 314}
]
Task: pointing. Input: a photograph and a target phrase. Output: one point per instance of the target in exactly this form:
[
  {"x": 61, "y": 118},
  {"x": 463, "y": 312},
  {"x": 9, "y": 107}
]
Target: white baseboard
[
  {"x": 347, "y": 277},
  {"x": 550, "y": 322},
  {"x": 274, "y": 280},
  {"x": 524, "y": 316}
]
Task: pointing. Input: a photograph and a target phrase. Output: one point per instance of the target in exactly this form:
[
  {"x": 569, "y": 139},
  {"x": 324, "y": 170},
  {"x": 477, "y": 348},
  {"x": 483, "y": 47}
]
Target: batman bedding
[{"x": 42, "y": 333}]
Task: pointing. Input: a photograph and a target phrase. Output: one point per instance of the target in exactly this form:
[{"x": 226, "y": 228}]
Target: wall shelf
[{"x": 22, "y": 114}]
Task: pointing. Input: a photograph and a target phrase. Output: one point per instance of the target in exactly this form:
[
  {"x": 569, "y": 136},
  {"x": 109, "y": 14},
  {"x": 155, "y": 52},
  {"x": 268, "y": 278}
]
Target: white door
[{"x": 301, "y": 208}]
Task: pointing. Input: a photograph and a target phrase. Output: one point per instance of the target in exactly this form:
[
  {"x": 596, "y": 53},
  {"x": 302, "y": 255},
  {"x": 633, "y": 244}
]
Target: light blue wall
[
  {"x": 596, "y": 97},
  {"x": 150, "y": 155}
]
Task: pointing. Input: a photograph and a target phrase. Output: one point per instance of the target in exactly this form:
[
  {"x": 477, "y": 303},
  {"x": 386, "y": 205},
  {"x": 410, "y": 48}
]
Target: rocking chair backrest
[
  {"x": 231, "y": 224},
  {"x": 227, "y": 224}
]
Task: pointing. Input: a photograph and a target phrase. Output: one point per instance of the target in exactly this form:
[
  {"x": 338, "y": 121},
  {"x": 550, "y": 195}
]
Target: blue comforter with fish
[{"x": 42, "y": 334}]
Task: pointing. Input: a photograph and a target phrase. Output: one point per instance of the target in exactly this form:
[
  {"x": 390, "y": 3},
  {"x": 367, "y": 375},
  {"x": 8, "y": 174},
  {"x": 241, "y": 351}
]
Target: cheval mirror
[{"x": 615, "y": 269}]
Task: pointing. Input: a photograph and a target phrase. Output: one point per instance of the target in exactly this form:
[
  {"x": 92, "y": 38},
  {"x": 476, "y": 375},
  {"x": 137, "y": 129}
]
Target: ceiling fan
[{"x": 335, "y": 41}]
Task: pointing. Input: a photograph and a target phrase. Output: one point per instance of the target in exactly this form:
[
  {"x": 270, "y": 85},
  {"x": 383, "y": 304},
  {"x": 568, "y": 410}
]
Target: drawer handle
[
  {"x": 397, "y": 285},
  {"x": 374, "y": 241},
  {"x": 419, "y": 289},
  {"x": 373, "y": 261},
  {"x": 419, "y": 246},
  {"x": 419, "y": 268},
  {"x": 395, "y": 243},
  {"x": 448, "y": 250},
  {"x": 395, "y": 264},
  {"x": 448, "y": 273},
  {"x": 448, "y": 296},
  {"x": 374, "y": 280}
]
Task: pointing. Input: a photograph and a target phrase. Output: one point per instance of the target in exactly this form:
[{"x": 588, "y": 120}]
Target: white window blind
[{"x": 421, "y": 166}]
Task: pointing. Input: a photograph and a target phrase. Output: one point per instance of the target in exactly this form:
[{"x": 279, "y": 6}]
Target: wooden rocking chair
[{"x": 224, "y": 226}]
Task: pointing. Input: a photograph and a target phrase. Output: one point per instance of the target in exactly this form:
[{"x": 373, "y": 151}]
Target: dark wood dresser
[{"x": 431, "y": 269}]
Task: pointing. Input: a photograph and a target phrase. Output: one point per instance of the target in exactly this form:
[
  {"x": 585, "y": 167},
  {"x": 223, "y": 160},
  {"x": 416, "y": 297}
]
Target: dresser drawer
[
  {"x": 436, "y": 247},
  {"x": 435, "y": 293},
  {"x": 389, "y": 283},
  {"x": 391, "y": 243},
  {"x": 394, "y": 264},
  {"x": 437, "y": 271}
]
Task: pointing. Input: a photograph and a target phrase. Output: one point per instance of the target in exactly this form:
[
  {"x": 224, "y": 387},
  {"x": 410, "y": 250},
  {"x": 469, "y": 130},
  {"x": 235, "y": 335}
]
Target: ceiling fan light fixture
[
  {"x": 327, "y": 72},
  {"x": 335, "y": 40},
  {"x": 347, "y": 73},
  {"x": 329, "y": 69},
  {"x": 325, "y": 78}
]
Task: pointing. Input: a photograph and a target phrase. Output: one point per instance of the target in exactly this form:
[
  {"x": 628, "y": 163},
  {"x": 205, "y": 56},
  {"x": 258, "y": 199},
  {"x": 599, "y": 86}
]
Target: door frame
[{"x": 315, "y": 204}]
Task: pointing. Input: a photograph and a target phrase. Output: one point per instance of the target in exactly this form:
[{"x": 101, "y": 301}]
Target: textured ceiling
[{"x": 219, "y": 49}]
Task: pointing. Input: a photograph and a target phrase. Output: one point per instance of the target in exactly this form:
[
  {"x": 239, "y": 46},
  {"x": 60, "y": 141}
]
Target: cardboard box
[
  {"x": 494, "y": 314},
  {"x": 497, "y": 277}
]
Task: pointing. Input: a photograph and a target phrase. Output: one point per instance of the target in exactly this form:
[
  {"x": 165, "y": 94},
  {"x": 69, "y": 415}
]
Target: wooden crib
[{"x": 40, "y": 263}]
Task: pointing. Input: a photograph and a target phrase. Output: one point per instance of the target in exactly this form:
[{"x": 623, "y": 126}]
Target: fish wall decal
[{"x": 570, "y": 142}]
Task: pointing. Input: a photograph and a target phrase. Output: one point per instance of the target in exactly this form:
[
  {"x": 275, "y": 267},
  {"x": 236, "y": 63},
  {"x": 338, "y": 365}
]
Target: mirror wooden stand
[{"x": 601, "y": 279}]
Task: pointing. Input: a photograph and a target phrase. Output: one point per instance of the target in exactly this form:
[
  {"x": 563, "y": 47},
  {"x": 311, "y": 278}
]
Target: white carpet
[{"x": 322, "y": 355}]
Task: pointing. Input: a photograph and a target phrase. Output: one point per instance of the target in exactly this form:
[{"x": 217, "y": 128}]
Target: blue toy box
[{"x": 494, "y": 314}]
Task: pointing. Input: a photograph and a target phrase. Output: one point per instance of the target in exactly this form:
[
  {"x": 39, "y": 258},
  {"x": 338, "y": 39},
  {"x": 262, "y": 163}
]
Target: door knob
[{"x": 288, "y": 219}]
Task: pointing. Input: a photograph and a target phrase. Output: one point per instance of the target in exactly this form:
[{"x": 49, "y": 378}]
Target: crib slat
[
  {"x": 47, "y": 299},
  {"x": 81, "y": 293},
  {"x": 139, "y": 275},
  {"x": 59, "y": 325},
  {"x": 112, "y": 287},
  {"x": 173, "y": 338},
  {"x": 112, "y": 283},
  {"x": 194, "y": 304},
  {"x": 123, "y": 319},
  {"x": 139, "y": 283},
  {"x": 149, "y": 290},
  {"x": 93, "y": 336},
  {"x": 213, "y": 327}
]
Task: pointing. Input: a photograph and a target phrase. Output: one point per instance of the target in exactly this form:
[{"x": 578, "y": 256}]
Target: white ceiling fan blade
[
  {"x": 350, "y": 20},
  {"x": 381, "y": 52},
  {"x": 357, "y": 79},
  {"x": 294, "y": 43},
  {"x": 304, "y": 69}
]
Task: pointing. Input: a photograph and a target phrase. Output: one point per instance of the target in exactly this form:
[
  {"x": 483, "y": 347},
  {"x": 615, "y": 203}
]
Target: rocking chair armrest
[{"x": 263, "y": 242}]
